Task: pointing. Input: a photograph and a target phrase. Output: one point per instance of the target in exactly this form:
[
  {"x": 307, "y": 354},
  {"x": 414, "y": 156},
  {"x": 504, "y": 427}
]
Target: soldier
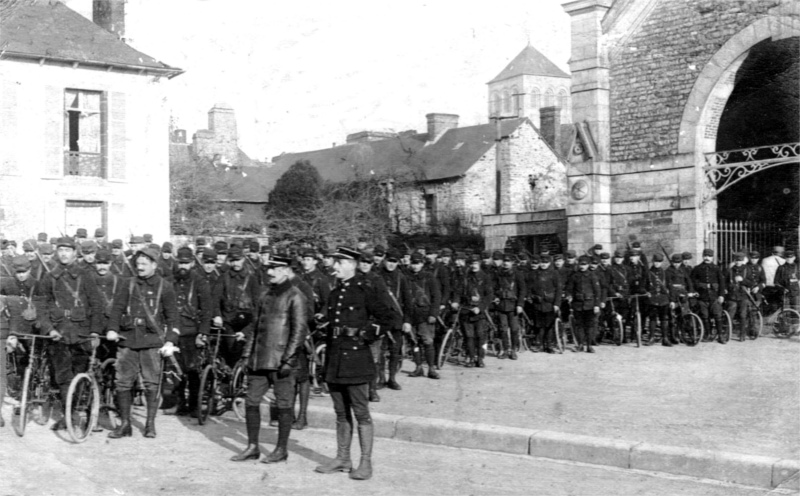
[
  {"x": 786, "y": 278},
  {"x": 365, "y": 265},
  {"x": 679, "y": 286},
  {"x": 739, "y": 281},
  {"x": 274, "y": 341},
  {"x": 379, "y": 253},
  {"x": 606, "y": 282},
  {"x": 426, "y": 297},
  {"x": 145, "y": 316},
  {"x": 545, "y": 293},
  {"x": 23, "y": 302},
  {"x": 88, "y": 249},
  {"x": 658, "y": 303},
  {"x": 221, "y": 248},
  {"x": 108, "y": 284},
  {"x": 166, "y": 264},
  {"x": 475, "y": 297},
  {"x": 349, "y": 366},
  {"x": 619, "y": 289},
  {"x": 583, "y": 292},
  {"x": 509, "y": 293},
  {"x": 74, "y": 309},
  {"x": 709, "y": 282},
  {"x": 571, "y": 260},
  {"x": 194, "y": 305},
  {"x": 772, "y": 263},
  {"x": 81, "y": 234},
  {"x": 400, "y": 298},
  {"x": 594, "y": 268},
  {"x": 239, "y": 292},
  {"x": 759, "y": 277},
  {"x": 100, "y": 236}
]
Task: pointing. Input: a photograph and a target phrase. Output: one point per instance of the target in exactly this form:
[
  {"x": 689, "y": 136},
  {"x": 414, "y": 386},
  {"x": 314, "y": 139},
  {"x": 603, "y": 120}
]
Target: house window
[
  {"x": 430, "y": 209},
  {"x": 506, "y": 101},
  {"x": 563, "y": 102},
  {"x": 515, "y": 100},
  {"x": 84, "y": 129},
  {"x": 496, "y": 104},
  {"x": 549, "y": 98},
  {"x": 85, "y": 214},
  {"x": 536, "y": 98}
]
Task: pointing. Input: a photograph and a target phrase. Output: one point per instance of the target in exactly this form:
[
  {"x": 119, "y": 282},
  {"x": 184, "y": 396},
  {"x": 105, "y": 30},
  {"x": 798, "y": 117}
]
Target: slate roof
[
  {"x": 530, "y": 61},
  {"x": 44, "y": 29}
]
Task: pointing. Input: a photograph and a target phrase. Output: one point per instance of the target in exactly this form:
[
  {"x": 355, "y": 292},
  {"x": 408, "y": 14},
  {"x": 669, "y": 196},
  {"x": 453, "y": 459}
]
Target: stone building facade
[
  {"x": 83, "y": 118},
  {"x": 652, "y": 81}
]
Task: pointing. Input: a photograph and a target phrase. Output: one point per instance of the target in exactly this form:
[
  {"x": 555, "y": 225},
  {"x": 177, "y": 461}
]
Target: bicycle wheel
[
  {"x": 445, "y": 349},
  {"x": 619, "y": 330},
  {"x": 316, "y": 367},
  {"x": 82, "y": 408},
  {"x": 42, "y": 395},
  {"x": 109, "y": 411},
  {"x": 20, "y": 416},
  {"x": 727, "y": 327},
  {"x": 238, "y": 389},
  {"x": 756, "y": 324},
  {"x": 206, "y": 400},
  {"x": 638, "y": 331},
  {"x": 691, "y": 329},
  {"x": 558, "y": 330},
  {"x": 787, "y": 323}
]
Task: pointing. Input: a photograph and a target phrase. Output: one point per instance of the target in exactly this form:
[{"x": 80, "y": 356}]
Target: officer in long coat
[
  {"x": 709, "y": 282},
  {"x": 545, "y": 294},
  {"x": 584, "y": 293}
]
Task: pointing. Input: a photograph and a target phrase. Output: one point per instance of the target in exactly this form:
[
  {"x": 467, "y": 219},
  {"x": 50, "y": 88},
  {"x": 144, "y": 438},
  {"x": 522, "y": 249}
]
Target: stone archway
[{"x": 709, "y": 95}]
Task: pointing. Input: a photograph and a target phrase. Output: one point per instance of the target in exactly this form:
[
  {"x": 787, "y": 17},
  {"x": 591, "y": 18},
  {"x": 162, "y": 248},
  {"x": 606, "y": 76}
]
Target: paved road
[
  {"x": 739, "y": 397},
  {"x": 188, "y": 459}
]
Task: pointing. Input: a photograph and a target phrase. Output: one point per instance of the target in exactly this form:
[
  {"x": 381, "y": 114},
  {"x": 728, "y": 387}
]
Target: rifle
[
  {"x": 39, "y": 256},
  {"x": 666, "y": 255}
]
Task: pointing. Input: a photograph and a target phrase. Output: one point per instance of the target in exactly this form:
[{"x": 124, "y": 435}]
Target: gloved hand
[
  {"x": 407, "y": 328},
  {"x": 217, "y": 321},
  {"x": 476, "y": 310},
  {"x": 454, "y": 305},
  {"x": 519, "y": 310},
  {"x": 596, "y": 310},
  {"x": 239, "y": 336},
  {"x": 112, "y": 336},
  {"x": 56, "y": 335},
  {"x": 95, "y": 339},
  {"x": 200, "y": 341},
  {"x": 284, "y": 371},
  {"x": 721, "y": 299},
  {"x": 672, "y": 305},
  {"x": 431, "y": 320},
  {"x": 168, "y": 349},
  {"x": 602, "y": 305}
]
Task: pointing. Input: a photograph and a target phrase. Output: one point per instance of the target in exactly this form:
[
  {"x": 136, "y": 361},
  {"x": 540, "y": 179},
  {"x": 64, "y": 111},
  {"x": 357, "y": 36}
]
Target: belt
[{"x": 345, "y": 331}]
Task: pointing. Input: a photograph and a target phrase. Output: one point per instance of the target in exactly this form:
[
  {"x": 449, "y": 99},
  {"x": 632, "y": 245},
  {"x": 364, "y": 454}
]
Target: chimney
[
  {"x": 179, "y": 136},
  {"x": 110, "y": 15},
  {"x": 550, "y": 125},
  {"x": 438, "y": 124}
]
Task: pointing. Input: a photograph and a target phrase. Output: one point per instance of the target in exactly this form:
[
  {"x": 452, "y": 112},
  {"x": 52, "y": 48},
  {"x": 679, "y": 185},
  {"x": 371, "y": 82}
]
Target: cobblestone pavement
[{"x": 738, "y": 397}]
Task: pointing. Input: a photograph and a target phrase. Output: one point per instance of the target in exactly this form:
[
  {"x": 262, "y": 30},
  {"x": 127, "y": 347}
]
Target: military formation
[{"x": 272, "y": 307}]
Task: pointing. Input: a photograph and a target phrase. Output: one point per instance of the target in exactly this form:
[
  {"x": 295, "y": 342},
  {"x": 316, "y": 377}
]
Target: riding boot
[
  {"x": 373, "y": 391},
  {"x": 124, "y": 399},
  {"x": 304, "y": 390},
  {"x": 61, "y": 424},
  {"x": 252, "y": 419},
  {"x": 273, "y": 414},
  {"x": 430, "y": 357},
  {"x": 481, "y": 354},
  {"x": 365, "y": 438},
  {"x": 418, "y": 372},
  {"x": 470, "y": 345},
  {"x": 394, "y": 362},
  {"x": 720, "y": 331},
  {"x": 342, "y": 463},
  {"x": 194, "y": 392},
  {"x": 665, "y": 338},
  {"x": 284, "y": 429},
  {"x": 151, "y": 395},
  {"x": 381, "y": 372}
]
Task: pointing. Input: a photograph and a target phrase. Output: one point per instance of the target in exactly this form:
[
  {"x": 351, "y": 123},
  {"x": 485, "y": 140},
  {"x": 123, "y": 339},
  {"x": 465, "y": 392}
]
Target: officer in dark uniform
[
  {"x": 709, "y": 282},
  {"x": 239, "y": 292},
  {"x": 366, "y": 266},
  {"x": 658, "y": 303},
  {"x": 739, "y": 282},
  {"x": 758, "y": 275},
  {"x": 619, "y": 288},
  {"x": 145, "y": 314},
  {"x": 349, "y": 366},
  {"x": 425, "y": 300},
  {"x": 679, "y": 286},
  {"x": 166, "y": 263},
  {"x": 108, "y": 284},
  {"x": 544, "y": 289},
  {"x": 509, "y": 292},
  {"x": 476, "y": 295},
  {"x": 400, "y": 301},
  {"x": 583, "y": 291},
  {"x": 23, "y": 302},
  {"x": 786, "y": 278}
]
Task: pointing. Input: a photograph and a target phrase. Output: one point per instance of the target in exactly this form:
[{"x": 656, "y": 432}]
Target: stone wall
[{"x": 652, "y": 71}]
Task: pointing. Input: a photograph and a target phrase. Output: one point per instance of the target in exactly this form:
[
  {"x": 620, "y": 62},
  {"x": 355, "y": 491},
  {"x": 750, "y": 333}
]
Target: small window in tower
[
  {"x": 536, "y": 98},
  {"x": 549, "y": 98}
]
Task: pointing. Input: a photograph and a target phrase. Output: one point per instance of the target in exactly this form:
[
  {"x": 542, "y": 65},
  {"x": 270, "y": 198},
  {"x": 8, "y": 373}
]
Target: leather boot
[
  {"x": 152, "y": 409},
  {"x": 392, "y": 382},
  {"x": 273, "y": 414},
  {"x": 418, "y": 372},
  {"x": 284, "y": 429},
  {"x": 252, "y": 419},
  {"x": 430, "y": 357},
  {"x": 373, "y": 392},
  {"x": 194, "y": 390},
  {"x": 381, "y": 372},
  {"x": 304, "y": 391},
  {"x": 665, "y": 335},
  {"x": 365, "y": 437},
  {"x": 342, "y": 463},
  {"x": 124, "y": 400}
]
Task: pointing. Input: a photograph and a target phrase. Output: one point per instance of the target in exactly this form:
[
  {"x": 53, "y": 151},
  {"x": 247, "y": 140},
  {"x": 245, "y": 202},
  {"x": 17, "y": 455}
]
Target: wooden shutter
[
  {"x": 53, "y": 132},
  {"x": 9, "y": 164},
  {"x": 117, "y": 158}
]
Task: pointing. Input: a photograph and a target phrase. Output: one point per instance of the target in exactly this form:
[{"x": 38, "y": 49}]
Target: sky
[{"x": 301, "y": 75}]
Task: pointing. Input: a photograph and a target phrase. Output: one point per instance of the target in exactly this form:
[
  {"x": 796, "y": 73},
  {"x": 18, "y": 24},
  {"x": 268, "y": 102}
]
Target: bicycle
[
  {"x": 618, "y": 331},
  {"x": 218, "y": 389},
  {"x": 452, "y": 346},
  {"x": 689, "y": 325},
  {"x": 37, "y": 394},
  {"x": 90, "y": 394},
  {"x": 787, "y": 322},
  {"x": 636, "y": 325},
  {"x": 527, "y": 338}
]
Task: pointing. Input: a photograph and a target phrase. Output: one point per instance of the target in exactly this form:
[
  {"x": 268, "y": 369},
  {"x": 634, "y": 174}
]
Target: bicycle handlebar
[
  {"x": 31, "y": 336},
  {"x": 89, "y": 336}
]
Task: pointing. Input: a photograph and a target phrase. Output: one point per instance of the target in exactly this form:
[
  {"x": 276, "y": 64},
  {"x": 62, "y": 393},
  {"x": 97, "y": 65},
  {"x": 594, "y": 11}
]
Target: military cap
[
  {"x": 367, "y": 256},
  {"x": 279, "y": 261},
  {"x": 221, "y": 247},
  {"x": 184, "y": 254},
  {"x": 571, "y": 254},
  {"x": 417, "y": 257},
  {"x": 605, "y": 255},
  {"x": 536, "y": 259},
  {"x": 676, "y": 258},
  {"x": 754, "y": 254},
  {"x": 738, "y": 256},
  {"x": 88, "y": 247},
  {"x": 166, "y": 247},
  {"x": 584, "y": 259},
  {"x": 309, "y": 253},
  {"x": 99, "y": 233},
  {"x": 154, "y": 246},
  {"x": 138, "y": 240},
  {"x": 103, "y": 256},
  {"x": 788, "y": 253},
  {"x": 81, "y": 233},
  {"x": 46, "y": 249},
  {"x": 347, "y": 253},
  {"x": 475, "y": 258},
  {"x": 52, "y": 241},
  {"x": 634, "y": 253},
  {"x": 29, "y": 245},
  {"x": 558, "y": 256},
  {"x": 486, "y": 254},
  {"x": 253, "y": 244},
  {"x": 42, "y": 238},
  {"x": 379, "y": 251},
  {"x": 636, "y": 245},
  {"x": 545, "y": 258},
  {"x": 708, "y": 252},
  {"x": 149, "y": 252},
  {"x": 117, "y": 243},
  {"x": 446, "y": 252},
  {"x": 544, "y": 251},
  {"x": 148, "y": 238},
  {"x": 235, "y": 253},
  {"x": 658, "y": 257},
  {"x": 460, "y": 255},
  {"x": 11, "y": 242},
  {"x": 597, "y": 247},
  {"x": 265, "y": 249},
  {"x": 594, "y": 260},
  {"x": 619, "y": 254},
  {"x": 393, "y": 254},
  {"x": 497, "y": 255},
  {"x": 65, "y": 241},
  {"x": 237, "y": 242},
  {"x": 686, "y": 255},
  {"x": 509, "y": 257},
  {"x": 201, "y": 241},
  {"x": 468, "y": 251},
  {"x": 209, "y": 255},
  {"x": 523, "y": 257},
  {"x": 21, "y": 263}
]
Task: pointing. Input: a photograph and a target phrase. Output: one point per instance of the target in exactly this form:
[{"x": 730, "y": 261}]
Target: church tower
[{"x": 528, "y": 83}]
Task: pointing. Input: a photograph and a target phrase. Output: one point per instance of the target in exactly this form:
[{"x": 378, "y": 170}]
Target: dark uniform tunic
[
  {"x": 709, "y": 282},
  {"x": 584, "y": 289},
  {"x": 477, "y": 292},
  {"x": 545, "y": 293}
]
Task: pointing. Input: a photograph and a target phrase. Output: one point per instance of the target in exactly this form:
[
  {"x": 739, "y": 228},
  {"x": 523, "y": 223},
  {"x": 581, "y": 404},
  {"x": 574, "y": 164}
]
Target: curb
[{"x": 751, "y": 470}]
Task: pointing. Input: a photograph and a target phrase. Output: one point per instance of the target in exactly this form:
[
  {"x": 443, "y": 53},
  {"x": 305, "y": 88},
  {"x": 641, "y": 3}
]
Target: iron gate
[{"x": 726, "y": 237}]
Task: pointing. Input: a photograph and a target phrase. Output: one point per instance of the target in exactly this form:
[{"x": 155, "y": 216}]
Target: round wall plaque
[{"x": 580, "y": 189}]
